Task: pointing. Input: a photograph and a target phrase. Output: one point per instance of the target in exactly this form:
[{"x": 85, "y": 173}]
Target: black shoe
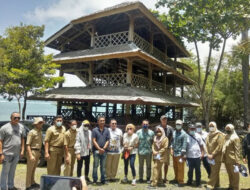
[
  {"x": 198, "y": 185},
  {"x": 104, "y": 182},
  {"x": 35, "y": 185},
  {"x": 88, "y": 180},
  {"x": 140, "y": 181},
  {"x": 14, "y": 188},
  {"x": 189, "y": 183},
  {"x": 94, "y": 183}
]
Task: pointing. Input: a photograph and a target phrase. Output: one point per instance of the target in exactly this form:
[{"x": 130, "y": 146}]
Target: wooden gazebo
[{"x": 128, "y": 61}]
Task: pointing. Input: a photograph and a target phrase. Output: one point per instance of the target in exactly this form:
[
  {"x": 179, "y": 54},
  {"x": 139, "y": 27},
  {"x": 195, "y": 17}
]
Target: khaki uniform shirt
[
  {"x": 55, "y": 137},
  {"x": 162, "y": 149},
  {"x": 232, "y": 153},
  {"x": 214, "y": 145},
  {"x": 35, "y": 139},
  {"x": 70, "y": 138}
]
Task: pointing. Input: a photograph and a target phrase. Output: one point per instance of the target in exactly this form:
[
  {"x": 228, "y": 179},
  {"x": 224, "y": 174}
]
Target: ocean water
[{"x": 33, "y": 108}]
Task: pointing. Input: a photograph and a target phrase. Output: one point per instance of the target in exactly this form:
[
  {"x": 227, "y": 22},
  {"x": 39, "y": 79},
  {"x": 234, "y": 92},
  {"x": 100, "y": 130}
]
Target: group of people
[{"x": 108, "y": 145}]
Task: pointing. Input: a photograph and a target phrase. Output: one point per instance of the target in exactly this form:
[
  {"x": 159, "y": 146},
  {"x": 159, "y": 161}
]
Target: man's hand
[
  {"x": 78, "y": 157},
  {"x": 47, "y": 156},
  {"x": 1, "y": 159},
  {"x": 32, "y": 158},
  {"x": 67, "y": 159},
  {"x": 155, "y": 153},
  {"x": 21, "y": 154},
  {"x": 210, "y": 156},
  {"x": 101, "y": 151},
  {"x": 244, "y": 160}
]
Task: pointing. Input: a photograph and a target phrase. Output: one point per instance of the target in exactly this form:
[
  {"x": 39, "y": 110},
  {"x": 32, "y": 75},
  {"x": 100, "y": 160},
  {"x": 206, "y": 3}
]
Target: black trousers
[
  {"x": 79, "y": 166},
  {"x": 194, "y": 164},
  {"x": 206, "y": 166}
]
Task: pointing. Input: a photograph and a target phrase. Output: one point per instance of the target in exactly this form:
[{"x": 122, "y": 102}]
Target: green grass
[{"x": 21, "y": 175}]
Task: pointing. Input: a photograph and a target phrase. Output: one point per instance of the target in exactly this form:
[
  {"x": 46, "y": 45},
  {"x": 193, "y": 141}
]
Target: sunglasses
[
  {"x": 130, "y": 128},
  {"x": 17, "y": 118}
]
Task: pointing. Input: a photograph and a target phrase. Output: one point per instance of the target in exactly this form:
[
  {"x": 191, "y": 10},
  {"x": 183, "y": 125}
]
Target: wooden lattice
[
  {"x": 140, "y": 82},
  {"x": 113, "y": 39},
  {"x": 141, "y": 43},
  {"x": 118, "y": 79}
]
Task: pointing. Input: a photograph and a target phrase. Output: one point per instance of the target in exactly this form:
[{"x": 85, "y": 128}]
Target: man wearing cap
[
  {"x": 169, "y": 134},
  {"x": 203, "y": 134},
  {"x": 83, "y": 148},
  {"x": 194, "y": 154},
  {"x": 69, "y": 143},
  {"x": 11, "y": 148},
  {"x": 179, "y": 147},
  {"x": 54, "y": 150},
  {"x": 33, "y": 145},
  {"x": 146, "y": 137}
]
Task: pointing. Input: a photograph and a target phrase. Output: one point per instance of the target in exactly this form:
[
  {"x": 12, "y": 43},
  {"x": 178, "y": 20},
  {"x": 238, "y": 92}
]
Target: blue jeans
[
  {"x": 130, "y": 159},
  {"x": 194, "y": 164},
  {"x": 8, "y": 171},
  {"x": 102, "y": 159}
]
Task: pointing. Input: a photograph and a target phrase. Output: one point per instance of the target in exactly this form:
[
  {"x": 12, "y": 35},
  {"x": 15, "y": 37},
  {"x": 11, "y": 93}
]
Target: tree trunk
[
  {"x": 24, "y": 106},
  {"x": 245, "y": 72},
  {"x": 19, "y": 104}
]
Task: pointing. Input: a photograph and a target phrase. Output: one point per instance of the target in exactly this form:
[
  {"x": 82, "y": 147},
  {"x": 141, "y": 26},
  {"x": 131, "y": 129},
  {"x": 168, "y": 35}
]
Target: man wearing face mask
[
  {"x": 231, "y": 156},
  {"x": 246, "y": 148},
  {"x": 54, "y": 141},
  {"x": 83, "y": 148},
  {"x": 34, "y": 145},
  {"x": 214, "y": 143},
  {"x": 203, "y": 135},
  {"x": 195, "y": 153},
  {"x": 179, "y": 147},
  {"x": 145, "y": 136},
  {"x": 69, "y": 142}
]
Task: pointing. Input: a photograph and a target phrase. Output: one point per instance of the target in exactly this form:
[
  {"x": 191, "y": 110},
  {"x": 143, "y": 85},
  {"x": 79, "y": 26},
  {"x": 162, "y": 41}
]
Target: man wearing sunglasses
[{"x": 11, "y": 148}]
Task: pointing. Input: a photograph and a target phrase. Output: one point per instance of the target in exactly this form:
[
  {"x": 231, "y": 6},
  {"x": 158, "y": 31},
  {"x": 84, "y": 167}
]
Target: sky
[{"x": 55, "y": 14}]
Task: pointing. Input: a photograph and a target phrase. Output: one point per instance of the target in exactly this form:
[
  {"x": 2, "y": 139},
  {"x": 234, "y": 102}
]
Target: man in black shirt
[
  {"x": 246, "y": 148},
  {"x": 169, "y": 134}
]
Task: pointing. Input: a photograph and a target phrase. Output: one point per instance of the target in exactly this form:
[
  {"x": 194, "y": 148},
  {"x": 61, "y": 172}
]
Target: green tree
[
  {"x": 210, "y": 21},
  {"x": 24, "y": 67}
]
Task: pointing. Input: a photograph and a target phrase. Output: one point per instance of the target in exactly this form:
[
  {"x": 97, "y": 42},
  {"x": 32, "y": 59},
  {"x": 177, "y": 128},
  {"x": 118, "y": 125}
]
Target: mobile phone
[{"x": 50, "y": 182}]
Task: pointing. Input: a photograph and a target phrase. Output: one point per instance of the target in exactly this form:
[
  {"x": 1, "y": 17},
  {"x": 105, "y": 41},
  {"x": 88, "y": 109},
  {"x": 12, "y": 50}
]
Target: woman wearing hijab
[
  {"x": 160, "y": 146},
  {"x": 214, "y": 143},
  {"x": 231, "y": 156}
]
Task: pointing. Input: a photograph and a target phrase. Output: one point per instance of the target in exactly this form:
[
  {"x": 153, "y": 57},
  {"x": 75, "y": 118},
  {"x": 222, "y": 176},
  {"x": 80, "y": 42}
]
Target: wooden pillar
[
  {"x": 148, "y": 111},
  {"x": 114, "y": 110},
  {"x": 90, "y": 71},
  {"x": 174, "y": 82},
  {"x": 59, "y": 103},
  {"x": 107, "y": 111},
  {"x": 129, "y": 72},
  {"x": 164, "y": 81},
  {"x": 123, "y": 109},
  {"x": 151, "y": 39},
  {"x": 150, "y": 75},
  {"x": 131, "y": 28},
  {"x": 133, "y": 109},
  {"x": 92, "y": 35},
  {"x": 127, "y": 109}
]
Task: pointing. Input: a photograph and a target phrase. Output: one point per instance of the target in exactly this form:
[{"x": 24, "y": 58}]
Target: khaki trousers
[
  {"x": 157, "y": 175},
  {"x": 178, "y": 169},
  {"x": 31, "y": 167},
  {"x": 214, "y": 180},
  {"x": 112, "y": 163},
  {"x": 234, "y": 178},
  {"x": 55, "y": 162},
  {"x": 68, "y": 168}
]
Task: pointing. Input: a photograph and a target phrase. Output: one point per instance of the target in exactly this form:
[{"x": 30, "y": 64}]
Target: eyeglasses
[
  {"x": 130, "y": 128},
  {"x": 17, "y": 118}
]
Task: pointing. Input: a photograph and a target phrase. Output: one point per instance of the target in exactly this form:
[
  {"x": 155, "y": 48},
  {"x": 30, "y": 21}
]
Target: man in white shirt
[
  {"x": 113, "y": 151},
  {"x": 203, "y": 134},
  {"x": 194, "y": 154}
]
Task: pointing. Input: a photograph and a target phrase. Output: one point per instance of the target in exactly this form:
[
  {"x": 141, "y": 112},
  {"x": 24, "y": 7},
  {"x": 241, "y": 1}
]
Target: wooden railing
[
  {"x": 114, "y": 79},
  {"x": 140, "y": 81}
]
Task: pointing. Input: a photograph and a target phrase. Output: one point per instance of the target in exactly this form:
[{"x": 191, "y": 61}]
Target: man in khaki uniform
[
  {"x": 69, "y": 143},
  {"x": 34, "y": 145},
  {"x": 214, "y": 143},
  {"x": 54, "y": 146},
  {"x": 231, "y": 156}
]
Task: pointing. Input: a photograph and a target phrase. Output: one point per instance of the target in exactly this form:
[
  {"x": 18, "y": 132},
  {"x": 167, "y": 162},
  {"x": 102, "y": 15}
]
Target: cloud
[{"x": 66, "y": 10}]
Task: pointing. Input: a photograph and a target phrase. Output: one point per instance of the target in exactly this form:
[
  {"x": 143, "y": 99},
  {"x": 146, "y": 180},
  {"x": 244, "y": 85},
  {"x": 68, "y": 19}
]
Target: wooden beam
[
  {"x": 150, "y": 74},
  {"x": 131, "y": 29},
  {"x": 91, "y": 65},
  {"x": 75, "y": 70}
]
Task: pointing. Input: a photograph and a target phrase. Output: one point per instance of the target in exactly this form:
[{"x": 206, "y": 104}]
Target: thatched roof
[
  {"x": 76, "y": 26},
  {"x": 129, "y": 95}
]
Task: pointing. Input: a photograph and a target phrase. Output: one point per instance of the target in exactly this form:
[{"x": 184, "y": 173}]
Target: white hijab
[{"x": 229, "y": 137}]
